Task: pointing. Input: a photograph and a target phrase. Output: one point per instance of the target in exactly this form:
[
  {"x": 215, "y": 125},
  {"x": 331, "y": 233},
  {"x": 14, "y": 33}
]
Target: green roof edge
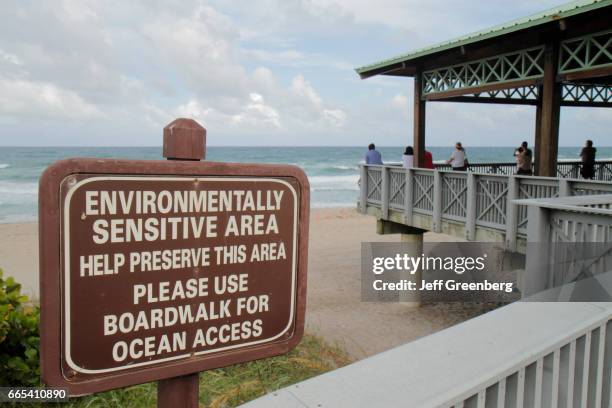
[{"x": 561, "y": 11}]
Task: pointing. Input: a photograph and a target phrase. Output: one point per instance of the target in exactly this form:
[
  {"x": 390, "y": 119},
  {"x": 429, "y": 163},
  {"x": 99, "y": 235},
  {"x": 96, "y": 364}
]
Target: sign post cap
[{"x": 184, "y": 139}]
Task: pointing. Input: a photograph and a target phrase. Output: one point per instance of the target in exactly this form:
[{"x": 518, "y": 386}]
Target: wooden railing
[
  {"x": 565, "y": 169},
  {"x": 533, "y": 353},
  {"x": 472, "y": 199},
  {"x": 526, "y": 354},
  {"x": 569, "y": 239}
]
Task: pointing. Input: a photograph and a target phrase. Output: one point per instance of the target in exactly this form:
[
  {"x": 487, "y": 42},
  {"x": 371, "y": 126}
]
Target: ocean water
[{"x": 333, "y": 171}]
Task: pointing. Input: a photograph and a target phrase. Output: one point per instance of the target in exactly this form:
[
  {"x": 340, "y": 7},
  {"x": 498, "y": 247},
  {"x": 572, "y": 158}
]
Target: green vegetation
[
  {"x": 235, "y": 385},
  {"x": 220, "y": 388},
  {"x": 19, "y": 341}
]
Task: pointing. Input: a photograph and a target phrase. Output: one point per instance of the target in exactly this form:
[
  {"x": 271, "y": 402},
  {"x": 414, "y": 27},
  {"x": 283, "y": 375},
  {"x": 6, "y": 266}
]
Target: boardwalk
[{"x": 474, "y": 206}]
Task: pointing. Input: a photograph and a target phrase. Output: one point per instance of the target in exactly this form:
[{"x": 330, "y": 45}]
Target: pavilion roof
[{"x": 556, "y": 13}]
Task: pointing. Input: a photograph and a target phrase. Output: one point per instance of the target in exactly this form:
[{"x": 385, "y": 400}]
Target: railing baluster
[
  {"x": 501, "y": 393},
  {"x": 520, "y": 392},
  {"x": 470, "y": 216},
  {"x": 600, "y": 365},
  {"x": 571, "y": 374},
  {"x": 511, "y": 213},
  {"x": 482, "y": 399},
  {"x": 437, "y": 202},
  {"x": 585, "y": 370},
  {"x": 385, "y": 192},
  {"x": 564, "y": 188},
  {"x": 363, "y": 202},
  {"x": 408, "y": 196},
  {"x": 554, "y": 398},
  {"x": 538, "y": 384}
]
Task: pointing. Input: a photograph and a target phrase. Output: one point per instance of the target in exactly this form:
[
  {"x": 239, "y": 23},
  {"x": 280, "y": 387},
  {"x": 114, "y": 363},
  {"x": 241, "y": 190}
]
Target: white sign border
[{"x": 66, "y": 314}]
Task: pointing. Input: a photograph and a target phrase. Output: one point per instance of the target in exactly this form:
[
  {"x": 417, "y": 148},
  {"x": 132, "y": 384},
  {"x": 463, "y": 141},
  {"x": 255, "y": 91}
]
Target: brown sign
[{"x": 152, "y": 270}]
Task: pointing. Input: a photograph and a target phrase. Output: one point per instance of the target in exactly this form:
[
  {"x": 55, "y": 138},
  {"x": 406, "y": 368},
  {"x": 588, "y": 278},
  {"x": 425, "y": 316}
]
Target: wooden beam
[
  {"x": 479, "y": 89},
  {"x": 597, "y": 72},
  {"x": 524, "y": 102},
  {"x": 550, "y": 112},
  {"x": 491, "y": 100},
  {"x": 585, "y": 104},
  {"x": 418, "y": 131}
]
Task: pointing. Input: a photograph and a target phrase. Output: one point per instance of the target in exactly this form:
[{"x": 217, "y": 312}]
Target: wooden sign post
[
  {"x": 184, "y": 139},
  {"x": 158, "y": 270}
]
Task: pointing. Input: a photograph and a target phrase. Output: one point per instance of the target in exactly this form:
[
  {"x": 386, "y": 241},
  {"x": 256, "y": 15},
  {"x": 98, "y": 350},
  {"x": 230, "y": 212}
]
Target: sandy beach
[{"x": 334, "y": 309}]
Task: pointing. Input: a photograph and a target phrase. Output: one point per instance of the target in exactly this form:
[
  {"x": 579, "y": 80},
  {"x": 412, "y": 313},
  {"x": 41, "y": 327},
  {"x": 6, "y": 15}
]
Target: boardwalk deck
[{"x": 474, "y": 206}]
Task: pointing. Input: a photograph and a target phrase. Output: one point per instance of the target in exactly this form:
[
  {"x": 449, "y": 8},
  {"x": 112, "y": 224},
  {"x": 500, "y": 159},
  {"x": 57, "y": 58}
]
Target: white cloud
[
  {"x": 275, "y": 68},
  {"x": 29, "y": 100},
  {"x": 297, "y": 108},
  {"x": 258, "y": 113},
  {"x": 303, "y": 90},
  {"x": 193, "y": 109},
  {"x": 10, "y": 58},
  {"x": 336, "y": 117},
  {"x": 295, "y": 59},
  {"x": 400, "y": 101}
]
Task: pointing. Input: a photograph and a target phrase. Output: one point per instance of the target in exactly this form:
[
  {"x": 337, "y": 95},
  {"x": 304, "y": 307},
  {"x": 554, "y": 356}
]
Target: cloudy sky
[{"x": 258, "y": 72}]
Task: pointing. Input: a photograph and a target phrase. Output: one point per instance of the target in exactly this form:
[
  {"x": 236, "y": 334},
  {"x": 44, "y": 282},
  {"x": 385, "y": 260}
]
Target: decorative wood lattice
[
  {"x": 575, "y": 54},
  {"x": 423, "y": 192},
  {"x": 500, "y": 69},
  {"x": 587, "y": 52},
  {"x": 374, "y": 185},
  {"x": 587, "y": 93}
]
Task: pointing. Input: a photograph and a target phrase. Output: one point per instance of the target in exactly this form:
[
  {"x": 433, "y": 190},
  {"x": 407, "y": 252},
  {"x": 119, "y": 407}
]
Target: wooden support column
[
  {"x": 418, "y": 132},
  {"x": 537, "y": 145},
  {"x": 549, "y": 117},
  {"x": 413, "y": 239},
  {"x": 414, "y": 247}
]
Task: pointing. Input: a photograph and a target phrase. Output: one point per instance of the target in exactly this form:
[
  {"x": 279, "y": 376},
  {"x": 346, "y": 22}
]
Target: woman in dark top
[{"x": 587, "y": 154}]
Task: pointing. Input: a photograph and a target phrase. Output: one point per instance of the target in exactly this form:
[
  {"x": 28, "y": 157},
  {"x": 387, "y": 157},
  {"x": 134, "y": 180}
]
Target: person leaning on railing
[
  {"x": 587, "y": 154},
  {"x": 523, "y": 160},
  {"x": 408, "y": 158},
  {"x": 458, "y": 159},
  {"x": 428, "y": 160},
  {"x": 373, "y": 156}
]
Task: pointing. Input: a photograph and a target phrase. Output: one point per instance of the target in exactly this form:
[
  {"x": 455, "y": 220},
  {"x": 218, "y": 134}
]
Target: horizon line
[{"x": 229, "y": 146}]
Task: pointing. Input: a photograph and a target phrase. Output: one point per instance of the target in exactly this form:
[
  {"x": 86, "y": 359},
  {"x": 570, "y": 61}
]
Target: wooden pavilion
[{"x": 560, "y": 57}]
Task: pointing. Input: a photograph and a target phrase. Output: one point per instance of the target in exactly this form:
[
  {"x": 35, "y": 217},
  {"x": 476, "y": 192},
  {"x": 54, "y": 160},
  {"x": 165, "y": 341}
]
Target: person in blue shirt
[{"x": 373, "y": 156}]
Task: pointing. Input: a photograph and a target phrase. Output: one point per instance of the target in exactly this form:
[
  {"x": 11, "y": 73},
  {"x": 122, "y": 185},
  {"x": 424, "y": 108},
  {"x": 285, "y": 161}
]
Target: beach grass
[{"x": 234, "y": 385}]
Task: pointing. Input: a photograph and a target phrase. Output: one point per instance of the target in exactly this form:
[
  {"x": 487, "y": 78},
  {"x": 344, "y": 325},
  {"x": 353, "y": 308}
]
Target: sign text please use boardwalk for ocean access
[{"x": 156, "y": 269}]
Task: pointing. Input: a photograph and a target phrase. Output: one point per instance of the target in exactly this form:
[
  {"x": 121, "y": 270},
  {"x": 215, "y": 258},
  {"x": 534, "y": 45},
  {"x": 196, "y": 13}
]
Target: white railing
[
  {"x": 568, "y": 239},
  {"x": 526, "y": 354},
  {"x": 472, "y": 199},
  {"x": 602, "y": 170}
]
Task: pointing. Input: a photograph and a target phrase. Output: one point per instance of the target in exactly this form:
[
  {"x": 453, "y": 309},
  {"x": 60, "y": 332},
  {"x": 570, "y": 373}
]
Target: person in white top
[
  {"x": 408, "y": 158},
  {"x": 458, "y": 159}
]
